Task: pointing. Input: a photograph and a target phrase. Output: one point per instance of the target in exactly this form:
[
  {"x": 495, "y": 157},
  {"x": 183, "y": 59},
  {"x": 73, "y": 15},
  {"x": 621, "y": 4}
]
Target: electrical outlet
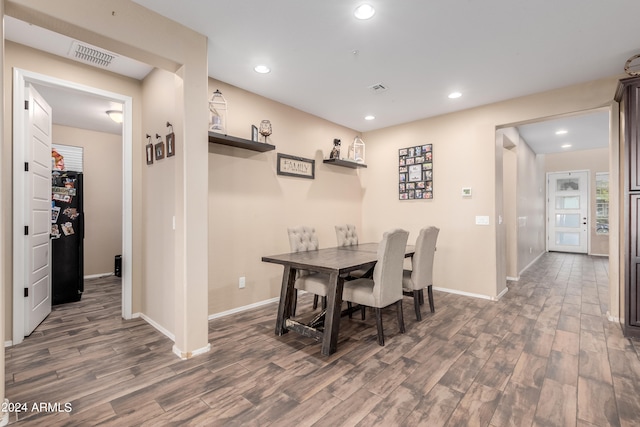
[{"x": 241, "y": 282}]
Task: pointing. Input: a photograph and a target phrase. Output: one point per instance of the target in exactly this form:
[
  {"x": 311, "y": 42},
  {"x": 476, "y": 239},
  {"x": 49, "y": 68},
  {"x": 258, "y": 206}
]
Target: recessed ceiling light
[
  {"x": 369, "y": 117},
  {"x": 561, "y": 132},
  {"x": 262, "y": 69},
  {"x": 364, "y": 11},
  {"x": 565, "y": 146},
  {"x": 454, "y": 95}
]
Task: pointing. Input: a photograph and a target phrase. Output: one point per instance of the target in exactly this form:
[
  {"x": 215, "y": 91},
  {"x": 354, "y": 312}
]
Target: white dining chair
[
  {"x": 302, "y": 239},
  {"x": 346, "y": 235},
  {"x": 420, "y": 276},
  {"x": 385, "y": 287}
]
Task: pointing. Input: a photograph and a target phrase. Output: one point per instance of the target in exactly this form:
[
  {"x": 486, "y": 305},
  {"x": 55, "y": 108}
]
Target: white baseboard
[
  {"x": 189, "y": 354},
  {"x": 612, "y": 319},
  {"x": 156, "y": 325},
  {"x": 98, "y": 276},
  {"x": 513, "y": 279},
  {"x": 600, "y": 255},
  {"x": 243, "y": 308},
  {"x": 532, "y": 262},
  {"x": 473, "y": 295},
  {"x": 8, "y": 343}
]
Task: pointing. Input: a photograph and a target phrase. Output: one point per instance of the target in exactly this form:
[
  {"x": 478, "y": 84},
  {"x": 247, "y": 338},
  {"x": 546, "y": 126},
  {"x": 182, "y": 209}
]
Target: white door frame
[
  {"x": 20, "y": 78},
  {"x": 548, "y": 210}
]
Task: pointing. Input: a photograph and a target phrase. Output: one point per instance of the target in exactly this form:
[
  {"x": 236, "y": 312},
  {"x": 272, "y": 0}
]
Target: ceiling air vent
[
  {"x": 91, "y": 55},
  {"x": 377, "y": 88}
]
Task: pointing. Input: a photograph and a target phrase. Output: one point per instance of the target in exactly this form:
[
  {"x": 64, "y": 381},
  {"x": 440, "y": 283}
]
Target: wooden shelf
[
  {"x": 218, "y": 138},
  {"x": 344, "y": 163}
]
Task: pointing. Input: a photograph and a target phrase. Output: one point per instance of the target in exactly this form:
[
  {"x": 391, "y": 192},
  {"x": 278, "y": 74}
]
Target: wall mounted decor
[
  {"x": 296, "y": 166},
  {"x": 356, "y": 150},
  {"x": 335, "y": 151},
  {"x": 415, "y": 172},
  {"x": 265, "y": 129},
  {"x": 218, "y": 113},
  {"x": 171, "y": 142},
  {"x": 159, "y": 147},
  {"x": 149, "y": 151}
]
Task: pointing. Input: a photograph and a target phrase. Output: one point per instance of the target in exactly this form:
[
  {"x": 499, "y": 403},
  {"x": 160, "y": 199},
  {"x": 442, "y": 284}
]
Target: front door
[
  {"x": 568, "y": 211},
  {"x": 38, "y": 228}
]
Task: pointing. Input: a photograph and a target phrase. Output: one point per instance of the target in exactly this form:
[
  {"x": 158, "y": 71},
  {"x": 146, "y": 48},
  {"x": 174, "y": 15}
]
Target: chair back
[
  {"x": 422, "y": 262},
  {"x": 302, "y": 239},
  {"x": 346, "y": 235},
  {"x": 387, "y": 274}
]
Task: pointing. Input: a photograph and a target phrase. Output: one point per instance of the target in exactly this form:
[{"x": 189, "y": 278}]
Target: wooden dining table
[{"x": 337, "y": 262}]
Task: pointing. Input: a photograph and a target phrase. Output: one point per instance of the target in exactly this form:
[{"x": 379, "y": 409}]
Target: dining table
[{"x": 337, "y": 262}]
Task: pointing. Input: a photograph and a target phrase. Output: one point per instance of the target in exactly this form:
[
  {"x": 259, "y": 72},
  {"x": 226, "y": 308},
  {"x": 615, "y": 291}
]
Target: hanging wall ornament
[
  {"x": 171, "y": 141},
  {"x": 149, "y": 151}
]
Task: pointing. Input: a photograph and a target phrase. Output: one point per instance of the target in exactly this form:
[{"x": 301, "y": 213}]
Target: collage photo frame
[{"x": 415, "y": 172}]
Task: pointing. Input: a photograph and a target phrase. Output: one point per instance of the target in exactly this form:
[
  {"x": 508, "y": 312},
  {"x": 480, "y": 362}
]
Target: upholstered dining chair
[
  {"x": 421, "y": 274},
  {"x": 302, "y": 239},
  {"x": 385, "y": 287},
  {"x": 346, "y": 235}
]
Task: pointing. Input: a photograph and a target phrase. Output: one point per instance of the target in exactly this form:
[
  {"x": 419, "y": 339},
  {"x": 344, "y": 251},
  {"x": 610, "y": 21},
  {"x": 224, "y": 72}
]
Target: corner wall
[{"x": 464, "y": 156}]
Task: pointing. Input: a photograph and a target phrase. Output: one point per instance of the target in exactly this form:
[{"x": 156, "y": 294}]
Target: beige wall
[
  {"x": 593, "y": 161},
  {"x": 29, "y": 59},
  {"x": 158, "y": 210},
  {"x": 102, "y": 164},
  {"x": 251, "y": 206},
  {"x": 464, "y": 155},
  {"x": 127, "y": 28}
]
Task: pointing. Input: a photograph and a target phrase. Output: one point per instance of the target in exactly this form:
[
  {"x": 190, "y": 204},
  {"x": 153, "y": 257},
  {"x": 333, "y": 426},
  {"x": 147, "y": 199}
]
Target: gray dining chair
[
  {"x": 302, "y": 239},
  {"x": 346, "y": 235},
  {"x": 385, "y": 287},
  {"x": 420, "y": 276}
]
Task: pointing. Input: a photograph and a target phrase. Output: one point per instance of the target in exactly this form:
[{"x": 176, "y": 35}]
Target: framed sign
[
  {"x": 415, "y": 172},
  {"x": 296, "y": 166}
]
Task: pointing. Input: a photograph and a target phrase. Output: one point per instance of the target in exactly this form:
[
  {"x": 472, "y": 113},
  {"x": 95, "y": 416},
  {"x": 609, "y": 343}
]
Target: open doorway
[{"x": 21, "y": 79}]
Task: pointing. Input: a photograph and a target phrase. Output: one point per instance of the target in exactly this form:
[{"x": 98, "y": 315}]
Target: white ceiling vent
[
  {"x": 378, "y": 88},
  {"x": 91, "y": 55}
]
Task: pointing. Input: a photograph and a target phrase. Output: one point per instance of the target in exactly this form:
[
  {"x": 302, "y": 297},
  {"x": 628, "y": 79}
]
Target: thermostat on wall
[{"x": 466, "y": 191}]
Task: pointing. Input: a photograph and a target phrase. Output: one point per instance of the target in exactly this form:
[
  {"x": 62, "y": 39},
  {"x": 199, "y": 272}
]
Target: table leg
[
  {"x": 286, "y": 298},
  {"x": 332, "y": 319}
]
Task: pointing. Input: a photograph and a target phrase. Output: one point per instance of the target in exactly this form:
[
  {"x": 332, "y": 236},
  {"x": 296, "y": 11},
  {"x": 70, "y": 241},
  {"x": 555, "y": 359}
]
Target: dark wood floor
[{"x": 545, "y": 355}]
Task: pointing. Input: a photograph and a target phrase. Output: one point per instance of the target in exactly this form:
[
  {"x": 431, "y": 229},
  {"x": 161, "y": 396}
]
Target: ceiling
[{"x": 323, "y": 61}]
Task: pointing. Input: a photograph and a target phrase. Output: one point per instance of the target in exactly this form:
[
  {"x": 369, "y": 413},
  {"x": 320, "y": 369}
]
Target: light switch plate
[{"x": 482, "y": 220}]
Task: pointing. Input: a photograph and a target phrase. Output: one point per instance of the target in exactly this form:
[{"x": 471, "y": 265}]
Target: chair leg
[
  {"x": 363, "y": 311},
  {"x": 400, "y": 316},
  {"x": 416, "y": 304},
  {"x": 421, "y": 292},
  {"x": 430, "y": 294},
  {"x": 379, "y": 325},
  {"x": 349, "y": 306},
  {"x": 315, "y": 302},
  {"x": 324, "y": 303}
]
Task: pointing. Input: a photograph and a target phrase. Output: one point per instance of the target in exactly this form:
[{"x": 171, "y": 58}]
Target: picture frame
[
  {"x": 171, "y": 145},
  {"x": 149, "y": 150},
  {"x": 159, "y": 149},
  {"x": 298, "y": 167},
  {"x": 415, "y": 172},
  {"x": 254, "y": 133}
]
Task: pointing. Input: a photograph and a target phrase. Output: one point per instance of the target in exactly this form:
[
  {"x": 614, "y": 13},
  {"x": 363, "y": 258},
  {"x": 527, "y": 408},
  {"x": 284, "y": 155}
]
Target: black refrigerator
[{"x": 67, "y": 237}]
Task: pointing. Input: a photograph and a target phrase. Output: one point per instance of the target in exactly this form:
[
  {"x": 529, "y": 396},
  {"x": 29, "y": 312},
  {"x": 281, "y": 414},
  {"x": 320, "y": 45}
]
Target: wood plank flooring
[{"x": 544, "y": 355}]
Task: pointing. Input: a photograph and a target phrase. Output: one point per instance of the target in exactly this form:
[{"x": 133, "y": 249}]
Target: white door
[
  {"x": 568, "y": 211},
  {"x": 38, "y": 227}
]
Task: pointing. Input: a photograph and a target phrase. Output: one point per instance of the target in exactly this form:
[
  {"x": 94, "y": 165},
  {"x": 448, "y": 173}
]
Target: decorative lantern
[
  {"x": 218, "y": 113},
  {"x": 356, "y": 150}
]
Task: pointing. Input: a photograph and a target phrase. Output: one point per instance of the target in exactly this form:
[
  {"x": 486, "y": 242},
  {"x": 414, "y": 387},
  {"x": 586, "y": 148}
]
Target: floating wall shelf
[
  {"x": 344, "y": 163},
  {"x": 218, "y": 138}
]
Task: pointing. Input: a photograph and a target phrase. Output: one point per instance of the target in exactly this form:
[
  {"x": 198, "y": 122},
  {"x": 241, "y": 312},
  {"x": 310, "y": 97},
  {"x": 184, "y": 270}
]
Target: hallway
[{"x": 545, "y": 354}]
